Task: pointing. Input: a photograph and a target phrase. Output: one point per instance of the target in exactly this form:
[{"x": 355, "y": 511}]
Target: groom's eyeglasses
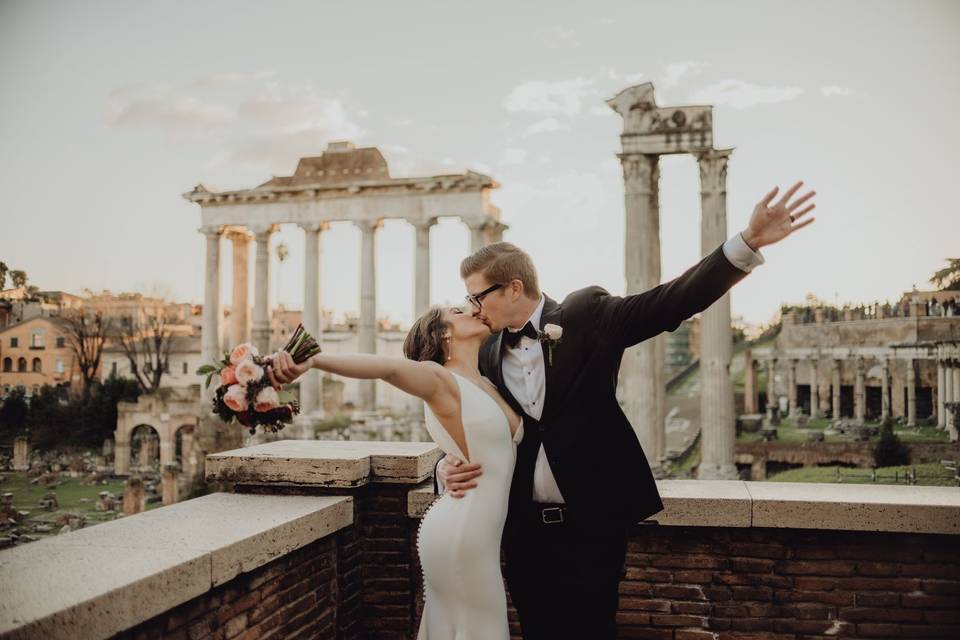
[{"x": 476, "y": 299}]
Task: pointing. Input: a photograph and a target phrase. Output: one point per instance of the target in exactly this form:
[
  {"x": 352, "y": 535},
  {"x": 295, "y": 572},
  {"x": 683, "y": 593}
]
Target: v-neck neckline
[{"x": 513, "y": 434}]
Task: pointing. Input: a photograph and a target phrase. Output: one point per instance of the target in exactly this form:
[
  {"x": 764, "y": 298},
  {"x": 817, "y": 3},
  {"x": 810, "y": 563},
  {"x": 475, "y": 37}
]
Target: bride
[{"x": 458, "y": 540}]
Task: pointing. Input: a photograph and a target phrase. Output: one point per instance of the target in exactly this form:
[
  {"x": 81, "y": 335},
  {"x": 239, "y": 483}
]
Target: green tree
[
  {"x": 13, "y": 414},
  {"x": 49, "y": 418},
  {"x": 948, "y": 278},
  {"x": 890, "y": 451}
]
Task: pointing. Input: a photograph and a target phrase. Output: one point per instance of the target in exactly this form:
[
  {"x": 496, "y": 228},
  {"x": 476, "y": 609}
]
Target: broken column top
[{"x": 653, "y": 130}]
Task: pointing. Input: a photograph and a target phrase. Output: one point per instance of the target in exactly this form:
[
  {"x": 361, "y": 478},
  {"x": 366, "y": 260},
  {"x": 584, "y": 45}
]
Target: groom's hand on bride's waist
[{"x": 458, "y": 476}]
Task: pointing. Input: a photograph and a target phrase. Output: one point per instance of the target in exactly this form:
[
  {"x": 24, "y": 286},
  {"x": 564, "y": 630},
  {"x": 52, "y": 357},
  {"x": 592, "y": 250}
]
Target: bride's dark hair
[{"x": 425, "y": 340}]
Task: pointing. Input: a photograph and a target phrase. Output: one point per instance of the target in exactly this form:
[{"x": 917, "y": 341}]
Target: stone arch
[
  {"x": 167, "y": 411},
  {"x": 144, "y": 451},
  {"x": 7, "y": 365}
]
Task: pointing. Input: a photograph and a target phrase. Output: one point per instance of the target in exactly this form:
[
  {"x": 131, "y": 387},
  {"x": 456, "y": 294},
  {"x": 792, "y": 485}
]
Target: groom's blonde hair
[{"x": 500, "y": 263}]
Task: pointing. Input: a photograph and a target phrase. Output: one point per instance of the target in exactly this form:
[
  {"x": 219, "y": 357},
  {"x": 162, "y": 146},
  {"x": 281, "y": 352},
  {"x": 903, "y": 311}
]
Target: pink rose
[
  {"x": 248, "y": 371},
  {"x": 241, "y": 352},
  {"x": 228, "y": 376},
  {"x": 236, "y": 398},
  {"x": 266, "y": 400}
]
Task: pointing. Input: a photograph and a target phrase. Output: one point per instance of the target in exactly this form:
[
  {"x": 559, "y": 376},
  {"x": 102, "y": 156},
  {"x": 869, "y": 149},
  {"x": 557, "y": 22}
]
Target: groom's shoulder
[{"x": 585, "y": 297}]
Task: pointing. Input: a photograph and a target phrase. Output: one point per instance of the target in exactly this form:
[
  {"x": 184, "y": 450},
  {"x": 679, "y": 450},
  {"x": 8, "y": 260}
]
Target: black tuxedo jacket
[{"x": 593, "y": 451}]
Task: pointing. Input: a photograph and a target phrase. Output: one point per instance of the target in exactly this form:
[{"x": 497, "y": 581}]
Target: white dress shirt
[{"x": 525, "y": 377}]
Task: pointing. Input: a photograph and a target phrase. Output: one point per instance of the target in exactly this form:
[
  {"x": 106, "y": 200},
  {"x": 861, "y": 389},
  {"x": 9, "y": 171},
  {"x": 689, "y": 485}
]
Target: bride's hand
[{"x": 283, "y": 370}]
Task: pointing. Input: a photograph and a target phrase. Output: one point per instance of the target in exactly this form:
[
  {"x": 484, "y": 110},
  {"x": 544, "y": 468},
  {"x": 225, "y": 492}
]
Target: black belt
[{"x": 549, "y": 513}]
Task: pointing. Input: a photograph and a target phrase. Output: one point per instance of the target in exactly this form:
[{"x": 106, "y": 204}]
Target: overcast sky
[{"x": 110, "y": 110}]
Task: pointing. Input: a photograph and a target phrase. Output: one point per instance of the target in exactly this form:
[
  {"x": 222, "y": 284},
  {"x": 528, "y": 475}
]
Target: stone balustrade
[{"x": 317, "y": 539}]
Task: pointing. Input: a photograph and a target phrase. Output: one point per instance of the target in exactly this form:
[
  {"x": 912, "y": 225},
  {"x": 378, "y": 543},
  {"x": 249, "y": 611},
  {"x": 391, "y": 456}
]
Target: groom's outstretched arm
[{"x": 635, "y": 318}]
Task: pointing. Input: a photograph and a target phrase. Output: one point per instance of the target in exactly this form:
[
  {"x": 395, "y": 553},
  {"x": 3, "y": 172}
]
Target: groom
[{"x": 581, "y": 479}]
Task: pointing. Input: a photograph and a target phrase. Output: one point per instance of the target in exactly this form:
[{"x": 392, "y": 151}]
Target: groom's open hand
[
  {"x": 458, "y": 476},
  {"x": 771, "y": 223}
]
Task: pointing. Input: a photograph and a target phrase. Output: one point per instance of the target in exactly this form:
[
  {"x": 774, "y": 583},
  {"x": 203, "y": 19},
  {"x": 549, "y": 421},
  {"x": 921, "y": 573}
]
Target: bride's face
[{"x": 463, "y": 325}]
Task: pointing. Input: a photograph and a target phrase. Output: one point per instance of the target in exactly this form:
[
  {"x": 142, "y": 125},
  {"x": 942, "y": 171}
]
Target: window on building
[
  {"x": 37, "y": 366},
  {"x": 61, "y": 342},
  {"x": 14, "y": 342},
  {"x": 166, "y": 367},
  {"x": 21, "y": 365},
  {"x": 7, "y": 365},
  {"x": 36, "y": 341},
  {"x": 113, "y": 369},
  {"x": 185, "y": 368},
  {"x": 59, "y": 366}
]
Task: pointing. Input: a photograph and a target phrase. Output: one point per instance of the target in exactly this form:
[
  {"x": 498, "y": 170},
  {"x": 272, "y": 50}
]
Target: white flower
[
  {"x": 248, "y": 371},
  {"x": 553, "y": 331}
]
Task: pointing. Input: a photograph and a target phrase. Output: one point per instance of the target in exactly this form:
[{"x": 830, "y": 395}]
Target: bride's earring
[{"x": 447, "y": 340}]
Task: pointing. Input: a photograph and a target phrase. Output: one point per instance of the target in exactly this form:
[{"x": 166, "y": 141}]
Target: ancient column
[
  {"x": 310, "y": 384},
  {"x": 955, "y": 396},
  {"x": 750, "y": 400},
  {"x": 793, "y": 410},
  {"x": 421, "y": 265},
  {"x": 911, "y": 393},
  {"x": 239, "y": 304},
  {"x": 168, "y": 450},
  {"x": 261, "y": 297},
  {"x": 815, "y": 389},
  {"x": 494, "y": 232},
  {"x": 169, "y": 489},
  {"x": 121, "y": 453},
  {"x": 21, "y": 453},
  {"x": 771, "y": 388},
  {"x": 210, "y": 330},
  {"x": 949, "y": 373},
  {"x": 860, "y": 392},
  {"x": 835, "y": 381},
  {"x": 643, "y": 382},
  {"x": 941, "y": 389},
  {"x": 134, "y": 497},
  {"x": 368, "y": 304},
  {"x": 885, "y": 391},
  {"x": 477, "y": 235},
  {"x": 717, "y": 420},
  {"x": 186, "y": 449}
]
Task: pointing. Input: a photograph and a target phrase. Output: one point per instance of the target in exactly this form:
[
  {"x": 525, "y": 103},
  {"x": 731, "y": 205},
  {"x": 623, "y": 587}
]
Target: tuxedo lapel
[{"x": 552, "y": 314}]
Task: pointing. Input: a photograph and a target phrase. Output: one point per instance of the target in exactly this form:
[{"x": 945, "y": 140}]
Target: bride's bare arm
[{"x": 421, "y": 379}]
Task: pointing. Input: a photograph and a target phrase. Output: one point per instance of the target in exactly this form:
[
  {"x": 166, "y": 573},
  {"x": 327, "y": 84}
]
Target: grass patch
[{"x": 928, "y": 474}]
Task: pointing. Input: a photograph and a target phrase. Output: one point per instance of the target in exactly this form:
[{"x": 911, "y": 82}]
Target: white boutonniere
[{"x": 551, "y": 334}]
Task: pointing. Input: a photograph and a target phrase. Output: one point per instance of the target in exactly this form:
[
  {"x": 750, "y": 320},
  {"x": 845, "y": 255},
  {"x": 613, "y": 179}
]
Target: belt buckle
[{"x": 558, "y": 511}]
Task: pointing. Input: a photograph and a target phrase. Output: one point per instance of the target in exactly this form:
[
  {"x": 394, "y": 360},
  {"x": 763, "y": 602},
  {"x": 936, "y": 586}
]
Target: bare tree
[
  {"x": 19, "y": 278},
  {"x": 948, "y": 278},
  {"x": 146, "y": 340},
  {"x": 4, "y": 270},
  {"x": 87, "y": 332}
]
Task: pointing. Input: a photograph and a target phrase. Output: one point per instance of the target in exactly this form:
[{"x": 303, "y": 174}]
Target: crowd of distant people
[{"x": 929, "y": 307}]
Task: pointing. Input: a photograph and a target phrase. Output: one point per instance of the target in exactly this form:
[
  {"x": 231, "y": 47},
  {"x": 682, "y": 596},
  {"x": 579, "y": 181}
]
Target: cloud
[
  {"x": 562, "y": 98},
  {"x": 674, "y": 72},
  {"x": 300, "y": 112},
  {"x": 549, "y": 125},
  {"x": 834, "y": 90},
  {"x": 233, "y": 79},
  {"x": 162, "y": 110},
  {"x": 741, "y": 95},
  {"x": 512, "y": 156},
  {"x": 633, "y": 77}
]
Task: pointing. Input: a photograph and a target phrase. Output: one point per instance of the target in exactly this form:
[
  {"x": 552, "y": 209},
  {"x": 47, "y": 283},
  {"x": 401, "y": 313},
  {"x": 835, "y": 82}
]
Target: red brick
[
  {"x": 679, "y": 592},
  {"x": 878, "y": 630},
  {"x": 877, "y": 614},
  {"x": 640, "y": 604},
  {"x": 676, "y": 620}
]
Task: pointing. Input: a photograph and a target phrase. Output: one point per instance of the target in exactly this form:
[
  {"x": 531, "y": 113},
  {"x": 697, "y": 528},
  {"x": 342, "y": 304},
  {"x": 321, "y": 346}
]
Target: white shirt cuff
[{"x": 741, "y": 255}]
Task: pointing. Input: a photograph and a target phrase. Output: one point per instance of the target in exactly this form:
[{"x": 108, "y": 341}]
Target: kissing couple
[{"x": 539, "y": 457}]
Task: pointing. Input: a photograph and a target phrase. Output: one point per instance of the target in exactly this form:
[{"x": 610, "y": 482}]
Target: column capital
[
  {"x": 369, "y": 226},
  {"x": 263, "y": 231},
  {"x": 211, "y": 231},
  {"x": 314, "y": 226},
  {"x": 641, "y": 172},
  {"x": 713, "y": 170},
  {"x": 423, "y": 224},
  {"x": 237, "y": 233}
]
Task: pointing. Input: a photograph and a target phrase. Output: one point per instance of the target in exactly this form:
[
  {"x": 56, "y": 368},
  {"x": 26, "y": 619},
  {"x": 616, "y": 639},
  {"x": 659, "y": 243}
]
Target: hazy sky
[{"x": 110, "y": 110}]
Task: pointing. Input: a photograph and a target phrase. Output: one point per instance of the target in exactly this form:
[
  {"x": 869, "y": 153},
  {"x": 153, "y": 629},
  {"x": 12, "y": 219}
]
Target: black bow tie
[{"x": 512, "y": 338}]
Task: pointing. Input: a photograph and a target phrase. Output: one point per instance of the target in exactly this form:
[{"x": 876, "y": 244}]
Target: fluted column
[
  {"x": 717, "y": 420},
  {"x": 368, "y": 304},
  {"x": 642, "y": 381},
  {"x": 311, "y": 393},
  {"x": 815, "y": 389},
  {"x": 941, "y": 391},
  {"x": 792, "y": 388},
  {"x": 911, "y": 393},
  {"x": 261, "y": 296},
  {"x": 239, "y": 303},
  {"x": 860, "y": 392},
  {"x": 885, "y": 391},
  {"x": 835, "y": 381},
  {"x": 210, "y": 329},
  {"x": 421, "y": 291}
]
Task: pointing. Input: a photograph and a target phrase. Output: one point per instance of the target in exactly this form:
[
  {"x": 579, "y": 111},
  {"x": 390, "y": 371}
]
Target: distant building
[{"x": 36, "y": 352}]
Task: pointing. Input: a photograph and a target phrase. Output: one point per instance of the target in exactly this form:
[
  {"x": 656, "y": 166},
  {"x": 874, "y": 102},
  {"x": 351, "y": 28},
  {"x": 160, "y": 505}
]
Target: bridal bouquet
[{"x": 245, "y": 392}]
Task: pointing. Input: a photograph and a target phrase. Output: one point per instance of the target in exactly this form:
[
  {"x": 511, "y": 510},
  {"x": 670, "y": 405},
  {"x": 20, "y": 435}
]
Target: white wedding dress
[{"x": 459, "y": 538}]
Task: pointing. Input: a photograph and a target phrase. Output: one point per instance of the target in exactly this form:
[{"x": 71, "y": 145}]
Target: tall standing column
[
  {"x": 239, "y": 303},
  {"x": 911, "y": 393},
  {"x": 421, "y": 292},
  {"x": 860, "y": 392},
  {"x": 717, "y": 420},
  {"x": 835, "y": 382},
  {"x": 642, "y": 381},
  {"x": 941, "y": 390},
  {"x": 261, "y": 297},
  {"x": 477, "y": 236},
  {"x": 885, "y": 391},
  {"x": 494, "y": 232},
  {"x": 949, "y": 373},
  {"x": 955, "y": 397},
  {"x": 210, "y": 329},
  {"x": 750, "y": 402},
  {"x": 311, "y": 393},
  {"x": 792, "y": 388},
  {"x": 771, "y": 388},
  {"x": 815, "y": 389},
  {"x": 368, "y": 304}
]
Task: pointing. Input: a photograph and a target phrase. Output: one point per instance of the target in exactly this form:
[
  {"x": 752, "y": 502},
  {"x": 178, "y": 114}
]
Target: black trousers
[{"x": 564, "y": 577}]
